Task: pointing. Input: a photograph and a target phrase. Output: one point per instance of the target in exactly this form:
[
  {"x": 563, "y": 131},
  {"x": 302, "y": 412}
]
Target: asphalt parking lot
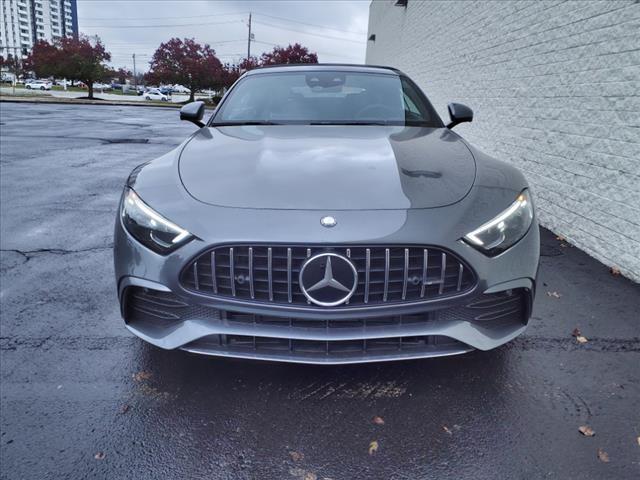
[{"x": 82, "y": 398}]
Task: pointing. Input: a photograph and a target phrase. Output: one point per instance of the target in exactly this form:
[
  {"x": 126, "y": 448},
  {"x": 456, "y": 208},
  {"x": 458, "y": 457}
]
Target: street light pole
[
  {"x": 249, "y": 40},
  {"x": 135, "y": 77}
]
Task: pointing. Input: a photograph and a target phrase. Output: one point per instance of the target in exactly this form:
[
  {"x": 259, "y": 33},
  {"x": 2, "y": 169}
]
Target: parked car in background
[
  {"x": 177, "y": 88},
  {"x": 37, "y": 85},
  {"x": 155, "y": 94},
  {"x": 166, "y": 90},
  {"x": 101, "y": 86},
  {"x": 116, "y": 86}
]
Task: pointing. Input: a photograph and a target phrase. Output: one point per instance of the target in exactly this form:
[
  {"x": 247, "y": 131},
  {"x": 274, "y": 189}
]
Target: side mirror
[
  {"x": 193, "y": 112},
  {"x": 459, "y": 113}
]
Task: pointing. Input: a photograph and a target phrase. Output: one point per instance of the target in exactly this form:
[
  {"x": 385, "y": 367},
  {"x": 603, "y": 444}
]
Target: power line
[
  {"x": 162, "y": 26},
  {"x": 165, "y": 18},
  {"x": 310, "y": 24},
  {"x": 275, "y": 17},
  {"x": 308, "y": 33}
]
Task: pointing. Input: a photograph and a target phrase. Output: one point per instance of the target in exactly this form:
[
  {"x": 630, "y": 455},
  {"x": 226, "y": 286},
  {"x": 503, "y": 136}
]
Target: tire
[
  {"x": 165, "y": 99},
  {"x": 42, "y": 88},
  {"x": 147, "y": 98},
  {"x": 28, "y": 87}
]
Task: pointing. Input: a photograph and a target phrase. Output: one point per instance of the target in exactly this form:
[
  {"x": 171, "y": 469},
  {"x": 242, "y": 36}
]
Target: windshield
[{"x": 326, "y": 98}]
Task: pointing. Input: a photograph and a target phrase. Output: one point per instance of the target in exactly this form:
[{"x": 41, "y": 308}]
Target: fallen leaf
[
  {"x": 296, "y": 456},
  {"x": 586, "y": 430},
  {"x": 99, "y": 456},
  {"x": 378, "y": 420},
  {"x": 638, "y": 441},
  {"x": 124, "y": 409},
  {"x": 141, "y": 376},
  {"x": 447, "y": 429},
  {"x": 554, "y": 294},
  {"x": 581, "y": 339},
  {"x": 561, "y": 238},
  {"x": 615, "y": 271},
  {"x": 310, "y": 476},
  {"x": 576, "y": 332},
  {"x": 373, "y": 447},
  {"x": 603, "y": 456}
]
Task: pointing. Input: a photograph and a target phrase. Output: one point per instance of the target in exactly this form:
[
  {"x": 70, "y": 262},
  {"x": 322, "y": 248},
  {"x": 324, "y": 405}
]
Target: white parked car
[
  {"x": 37, "y": 85},
  {"x": 177, "y": 88},
  {"x": 155, "y": 94},
  {"x": 101, "y": 86}
]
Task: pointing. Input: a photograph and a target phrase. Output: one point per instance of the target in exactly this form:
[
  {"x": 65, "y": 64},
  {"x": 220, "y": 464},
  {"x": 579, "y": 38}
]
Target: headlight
[
  {"x": 497, "y": 235},
  {"x": 149, "y": 227}
]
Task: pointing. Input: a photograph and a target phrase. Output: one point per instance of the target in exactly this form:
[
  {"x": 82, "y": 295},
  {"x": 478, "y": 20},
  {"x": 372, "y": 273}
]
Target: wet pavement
[{"x": 82, "y": 398}]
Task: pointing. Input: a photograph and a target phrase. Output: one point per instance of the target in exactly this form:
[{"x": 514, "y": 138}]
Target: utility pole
[
  {"x": 135, "y": 78},
  {"x": 249, "y": 40}
]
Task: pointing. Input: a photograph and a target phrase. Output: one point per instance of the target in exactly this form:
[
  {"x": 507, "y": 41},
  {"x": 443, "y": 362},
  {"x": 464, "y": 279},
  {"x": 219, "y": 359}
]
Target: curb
[{"x": 64, "y": 101}]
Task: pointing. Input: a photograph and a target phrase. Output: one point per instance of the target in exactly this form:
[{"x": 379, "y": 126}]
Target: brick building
[{"x": 555, "y": 88}]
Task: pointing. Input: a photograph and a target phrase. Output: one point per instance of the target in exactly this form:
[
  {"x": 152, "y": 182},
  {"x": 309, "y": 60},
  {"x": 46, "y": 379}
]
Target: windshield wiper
[{"x": 249, "y": 123}]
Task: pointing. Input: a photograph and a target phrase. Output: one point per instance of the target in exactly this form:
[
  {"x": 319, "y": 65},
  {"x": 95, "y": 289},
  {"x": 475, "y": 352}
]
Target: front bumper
[{"x": 158, "y": 309}]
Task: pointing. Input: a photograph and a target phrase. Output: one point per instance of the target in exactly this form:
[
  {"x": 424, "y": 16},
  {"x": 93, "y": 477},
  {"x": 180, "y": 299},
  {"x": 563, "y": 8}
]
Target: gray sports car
[{"x": 326, "y": 214}]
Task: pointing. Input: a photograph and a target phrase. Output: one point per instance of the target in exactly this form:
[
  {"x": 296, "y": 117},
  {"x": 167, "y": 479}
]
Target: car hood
[{"x": 327, "y": 168}]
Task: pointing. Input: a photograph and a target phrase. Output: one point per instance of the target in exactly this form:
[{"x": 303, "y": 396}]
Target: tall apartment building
[{"x": 26, "y": 21}]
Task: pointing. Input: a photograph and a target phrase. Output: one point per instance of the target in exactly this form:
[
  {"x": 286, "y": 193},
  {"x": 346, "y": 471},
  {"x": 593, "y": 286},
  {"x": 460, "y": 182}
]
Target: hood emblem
[
  {"x": 328, "y": 221},
  {"x": 328, "y": 279}
]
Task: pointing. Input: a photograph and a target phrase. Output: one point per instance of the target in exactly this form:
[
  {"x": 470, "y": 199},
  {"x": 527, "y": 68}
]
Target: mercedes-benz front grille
[{"x": 270, "y": 274}]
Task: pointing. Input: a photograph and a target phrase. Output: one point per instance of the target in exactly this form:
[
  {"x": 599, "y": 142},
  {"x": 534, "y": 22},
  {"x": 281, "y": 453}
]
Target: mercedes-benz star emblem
[
  {"x": 328, "y": 221},
  {"x": 328, "y": 279}
]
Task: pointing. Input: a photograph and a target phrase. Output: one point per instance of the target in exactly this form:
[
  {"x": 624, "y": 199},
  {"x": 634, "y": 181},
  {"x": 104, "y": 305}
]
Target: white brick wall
[{"x": 555, "y": 89}]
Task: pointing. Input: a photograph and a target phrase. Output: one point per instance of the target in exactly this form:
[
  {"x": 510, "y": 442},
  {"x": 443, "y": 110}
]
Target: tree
[
  {"x": 295, "y": 53},
  {"x": 122, "y": 74},
  {"x": 81, "y": 58},
  {"x": 13, "y": 64},
  {"x": 188, "y": 63},
  {"x": 44, "y": 59}
]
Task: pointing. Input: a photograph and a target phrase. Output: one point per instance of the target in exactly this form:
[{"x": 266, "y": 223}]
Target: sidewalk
[{"x": 59, "y": 97}]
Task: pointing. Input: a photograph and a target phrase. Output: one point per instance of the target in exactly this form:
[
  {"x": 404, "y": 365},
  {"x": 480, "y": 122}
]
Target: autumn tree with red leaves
[
  {"x": 13, "y": 64},
  {"x": 81, "y": 58},
  {"x": 295, "y": 53},
  {"x": 188, "y": 63}
]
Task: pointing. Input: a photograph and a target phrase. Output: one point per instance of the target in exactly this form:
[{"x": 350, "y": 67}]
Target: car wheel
[
  {"x": 42, "y": 88},
  {"x": 28, "y": 87},
  {"x": 164, "y": 99},
  {"x": 147, "y": 98}
]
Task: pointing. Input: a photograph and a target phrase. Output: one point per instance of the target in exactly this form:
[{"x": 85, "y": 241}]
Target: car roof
[{"x": 333, "y": 67}]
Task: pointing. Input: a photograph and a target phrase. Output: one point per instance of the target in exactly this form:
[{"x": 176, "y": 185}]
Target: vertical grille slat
[
  {"x": 387, "y": 274},
  {"x": 289, "y": 293},
  {"x": 251, "y": 287},
  {"x": 214, "y": 283},
  {"x": 366, "y": 275},
  {"x": 443, "y": 271},
  {"x": 232, "y": 273},
  {"x": 270, "y": 270},
  {"x": 308, "y": 256},
  {"x": 425, "y": 269},
  {"x": 405, "y": 277}
]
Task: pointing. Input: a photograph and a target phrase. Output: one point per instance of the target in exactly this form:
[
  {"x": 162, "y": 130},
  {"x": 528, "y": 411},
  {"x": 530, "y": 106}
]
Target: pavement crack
[{"x": 28, "y": 254}]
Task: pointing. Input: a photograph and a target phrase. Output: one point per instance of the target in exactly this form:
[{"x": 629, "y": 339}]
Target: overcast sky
[{"x": 334, "y": 29}]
